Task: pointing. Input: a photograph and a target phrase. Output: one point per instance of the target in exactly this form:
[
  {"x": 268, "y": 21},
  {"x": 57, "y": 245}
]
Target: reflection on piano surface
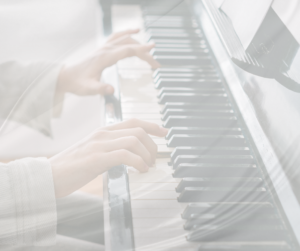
[{"x": 210, "y": 189}]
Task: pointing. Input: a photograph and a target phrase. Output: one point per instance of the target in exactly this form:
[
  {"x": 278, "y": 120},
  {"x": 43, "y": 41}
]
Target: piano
[{"x": 219, "y": 182}]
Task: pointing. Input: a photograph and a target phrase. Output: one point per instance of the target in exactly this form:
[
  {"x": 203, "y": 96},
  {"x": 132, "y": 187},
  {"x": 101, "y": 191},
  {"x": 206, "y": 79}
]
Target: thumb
[
  {"x": 95, "y": 87},
  {"x": 105, "y": 89}
]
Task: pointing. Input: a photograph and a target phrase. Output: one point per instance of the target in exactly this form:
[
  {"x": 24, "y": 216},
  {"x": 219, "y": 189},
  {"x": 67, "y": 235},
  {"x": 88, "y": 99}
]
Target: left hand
[
  {"x": 125, "y": 143},
  {"x": 84, "y": 77}
]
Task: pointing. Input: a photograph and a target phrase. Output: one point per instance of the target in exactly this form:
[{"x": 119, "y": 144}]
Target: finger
[
  {"x": 143, "y": 53},
  {"x": 150, "y": 60},
  {"x": 105, "y": 89},
  {"x": 123, "y": 51},
  {"x": 132, "y": 144},
  {"x": 93, "y": 87},
  {"x": 149, "y": 127},
  {"x": 143, "y": 48},
  {"x": 138, "y": 132},
  {"x": 125, "y": 157},
  {"x": 121, "y": 33},
  {"x": 124, "y": 40}
]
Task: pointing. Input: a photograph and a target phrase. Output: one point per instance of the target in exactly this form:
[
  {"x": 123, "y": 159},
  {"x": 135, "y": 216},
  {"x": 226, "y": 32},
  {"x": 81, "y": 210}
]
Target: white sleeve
[
  {"x": 27, "y": 93},
  {"x": 27, "y": 203}
]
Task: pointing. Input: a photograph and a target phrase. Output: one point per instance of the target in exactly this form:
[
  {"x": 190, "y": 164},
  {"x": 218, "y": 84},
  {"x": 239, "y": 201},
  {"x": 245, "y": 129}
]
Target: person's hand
[
  {"x": 84, "y": 77},
  {"x": 124, "y": 143}
]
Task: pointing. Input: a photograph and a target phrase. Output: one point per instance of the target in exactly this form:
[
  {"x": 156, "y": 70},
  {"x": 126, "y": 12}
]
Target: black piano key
[
  {"x": 188, "y": 83},
  {"x": 196, "y": 90},
  {"x": 196, "y": 112},
  {"x": 215, "y": 170},
  {"x": 222, "y": 194},
  {"x": 217, "y": 159},
  {"x": 182, "y": 60},
  {"x": 239, "y": 234},
  {"x": 219, "y": 209},
  {"x": 193, "y": 97},
  {"x": 177, "y": 121},
  {"x": 203, "y": 131},
  {"x": 187, "y": 105},
  {"x": 207, "y": 140},
  {"x": 190, "y": 150},
  {"x": 219, "y": 182}
]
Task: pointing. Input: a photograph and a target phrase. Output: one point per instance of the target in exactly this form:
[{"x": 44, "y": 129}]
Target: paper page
[{"x": 246, "y": 17}]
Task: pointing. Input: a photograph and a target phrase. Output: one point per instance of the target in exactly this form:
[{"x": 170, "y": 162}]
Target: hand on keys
[
  {"x": 83, "y": 78},
  {"x": 126, "y": 143}
]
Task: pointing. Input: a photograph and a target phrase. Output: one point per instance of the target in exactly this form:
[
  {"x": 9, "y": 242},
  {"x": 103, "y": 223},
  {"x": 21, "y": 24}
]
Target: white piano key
[
  {"x": 160, "y": 141},
  {"x": 156, "y": 212},
  {"x": 162, "y": 164},
  {"x": 165, "y": 149},
  {"x": 162, "y": 154}
]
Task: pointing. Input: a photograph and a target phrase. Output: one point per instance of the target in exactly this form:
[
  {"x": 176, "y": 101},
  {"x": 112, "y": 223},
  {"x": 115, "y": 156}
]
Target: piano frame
[
  {"x": 117, "y": 207},
  {"x": 233, "y": 79}
]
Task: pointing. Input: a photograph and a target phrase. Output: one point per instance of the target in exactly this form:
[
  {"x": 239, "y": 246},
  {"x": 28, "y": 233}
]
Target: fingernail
[{"x": 164, "y": 130}]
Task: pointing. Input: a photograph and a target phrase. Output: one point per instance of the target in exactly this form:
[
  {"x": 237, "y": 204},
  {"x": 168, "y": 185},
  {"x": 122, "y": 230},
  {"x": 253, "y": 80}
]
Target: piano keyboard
[{"x": 207, "y": 190}]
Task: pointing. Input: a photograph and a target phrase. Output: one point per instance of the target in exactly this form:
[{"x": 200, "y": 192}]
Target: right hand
[
  {"x": 125, "y": 143},
  {"x": 83, "y": 78}
]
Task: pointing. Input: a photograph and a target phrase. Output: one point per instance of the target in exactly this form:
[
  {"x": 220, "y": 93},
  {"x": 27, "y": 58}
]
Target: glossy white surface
[{"x": 278, "y": 112}]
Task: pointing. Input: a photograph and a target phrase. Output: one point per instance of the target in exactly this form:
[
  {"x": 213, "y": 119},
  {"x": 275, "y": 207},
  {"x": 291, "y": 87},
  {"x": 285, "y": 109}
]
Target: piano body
[{"x": 225, "y": 176}]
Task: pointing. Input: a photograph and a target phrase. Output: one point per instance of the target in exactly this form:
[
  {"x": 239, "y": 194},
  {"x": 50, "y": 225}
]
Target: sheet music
[
  {"x": 289, "y": 13},
  {"x": 246, "y": 17}
]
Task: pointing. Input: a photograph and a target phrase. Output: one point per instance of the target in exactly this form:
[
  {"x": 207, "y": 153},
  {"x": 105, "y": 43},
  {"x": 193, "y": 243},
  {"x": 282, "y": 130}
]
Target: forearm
[{"x": 27, "y": 203}]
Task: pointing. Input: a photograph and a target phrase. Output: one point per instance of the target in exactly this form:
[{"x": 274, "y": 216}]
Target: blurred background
[{"x": 58, "y": 31}]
